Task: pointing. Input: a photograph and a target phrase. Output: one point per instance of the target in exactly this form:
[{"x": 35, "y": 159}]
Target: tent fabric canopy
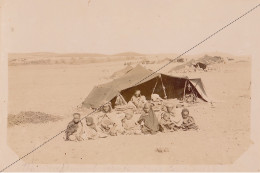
[
  {"x": 145, "y": 80},
  {"x": 121, "y": 72},
  {"x": 138, "y": 75}
]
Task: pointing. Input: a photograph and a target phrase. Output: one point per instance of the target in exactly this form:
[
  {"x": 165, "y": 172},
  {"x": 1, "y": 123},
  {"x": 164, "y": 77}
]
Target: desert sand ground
[{"x": 57, "y": 89}]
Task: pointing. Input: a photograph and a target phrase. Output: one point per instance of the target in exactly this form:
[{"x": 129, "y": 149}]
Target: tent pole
[
  {"x": 184, "y": 89},
  {"x": 122, "y": 98},
  {"x": 194, "y": 93},
  {"x": 155, "y": 85},
  {"x": 165, "y": 95},
  {"x": 195, "y": 88}
]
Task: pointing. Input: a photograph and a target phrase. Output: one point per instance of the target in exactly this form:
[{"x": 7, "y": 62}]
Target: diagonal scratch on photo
[
  {"x": 171, "y": 113},
  {"x": 100, "y": 83}
]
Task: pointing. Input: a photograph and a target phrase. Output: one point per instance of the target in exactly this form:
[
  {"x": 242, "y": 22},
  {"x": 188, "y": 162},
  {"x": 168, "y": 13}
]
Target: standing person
[
  {"x": 138, "y": 100},
  {"x": 148, "y": 120},
  {"x": 188, "y": 121},
  {"x": 74, "y": 129}
]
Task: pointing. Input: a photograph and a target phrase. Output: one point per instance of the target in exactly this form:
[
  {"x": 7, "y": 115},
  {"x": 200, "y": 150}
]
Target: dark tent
[
  {"x": 202, "y": 62},
  {"x": 179, "y": 67},
  {"x": 145, "y": 80},
  {"x": 122, "y": 72},
  {"x": 210, "y": 59},
  {"x": 200, "y": 65}
]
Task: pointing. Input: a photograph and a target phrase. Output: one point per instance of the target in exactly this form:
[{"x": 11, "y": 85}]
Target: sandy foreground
[{"x": 223, "y": 137}]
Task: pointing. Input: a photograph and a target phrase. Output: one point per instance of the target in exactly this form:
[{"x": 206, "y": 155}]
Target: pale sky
[{"x": 113, "y": 26}]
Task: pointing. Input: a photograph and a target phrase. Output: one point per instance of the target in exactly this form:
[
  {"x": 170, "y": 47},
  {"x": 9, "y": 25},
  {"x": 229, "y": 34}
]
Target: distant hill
[
  {"x": 126, "y": 54},
  {"x": 129, "y": 54},
  {"x": 85, "y": 58},
  {"x": 50, "y": 54},
  {"x": 90, "y": 55},
  {"x": 82, "y": 55}
]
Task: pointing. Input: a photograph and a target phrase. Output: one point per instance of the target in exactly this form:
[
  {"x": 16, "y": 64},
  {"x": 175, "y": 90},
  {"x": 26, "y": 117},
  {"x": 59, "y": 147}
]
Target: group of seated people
[{"x": 143, "y": 117}]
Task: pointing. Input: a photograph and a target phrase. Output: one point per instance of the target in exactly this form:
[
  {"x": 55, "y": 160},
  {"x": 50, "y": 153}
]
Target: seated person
[
  {"x": 106, "y": 108},
  {"x": 148, "y": 120},
  {"x": 91, "y": 131},
  {"x": 104, "y": 122},
  {"x": 188, "y": 121},
  {"x": 156, "y": 98},
  {"x": 74, "y": 129},
  {"x": 156, "y": 102},
  {"x": 175, "y": 115},
  {"x": 190, "y": 97},
  {"x": 108, "y": 127},
  {"x": 120, "y": 101},
  {"x": 166, "y": 123},
  {"x": 188, "y": 89},
  {"x": 138, "y": 100},
  {"x": 131, "y": 127}
]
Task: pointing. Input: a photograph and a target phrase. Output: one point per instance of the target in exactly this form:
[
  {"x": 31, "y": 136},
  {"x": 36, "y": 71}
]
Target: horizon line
[{"x": 114, "y": 54}]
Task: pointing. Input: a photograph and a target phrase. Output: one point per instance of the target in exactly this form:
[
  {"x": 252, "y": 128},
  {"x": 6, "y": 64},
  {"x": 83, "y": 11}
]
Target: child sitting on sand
[
  {"x": 74, "y": 129},
  {"x": 166, "y": 123},
  {"x": 188, "y": 121},
  {"x": 130, "y": 126},
  {"x": 104, "y": 122},
  {"x": 107, "y": 126},
  {"x": 91, "y": 131},
  {"x": 175, "y": 115},
  {"x": 148, "y": 120}
]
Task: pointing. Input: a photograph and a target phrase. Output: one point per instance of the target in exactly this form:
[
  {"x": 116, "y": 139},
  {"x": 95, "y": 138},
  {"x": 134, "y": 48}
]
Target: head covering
[
  {"x": 185, "y": 110},
  {"x": 156, "y": 97},
  {"x": 90, "y": 120},
  {"x": 76, "y": 114},
  {"x": 146, "y": 105},
  {"x": 129, "y": 113},
  {"x": 166, "y": 116},
  {"x": 138, "y": 91},
  {"x": 109, "y": 105}
]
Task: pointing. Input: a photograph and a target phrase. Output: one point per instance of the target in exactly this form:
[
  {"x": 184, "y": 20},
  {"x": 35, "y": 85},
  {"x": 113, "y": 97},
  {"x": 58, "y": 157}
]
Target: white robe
[{"x": 176, "y": 117}]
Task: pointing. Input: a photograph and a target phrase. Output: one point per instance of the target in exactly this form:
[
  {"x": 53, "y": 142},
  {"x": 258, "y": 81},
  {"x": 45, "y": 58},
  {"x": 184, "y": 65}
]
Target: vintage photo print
[{"x": 129, "y": 85}]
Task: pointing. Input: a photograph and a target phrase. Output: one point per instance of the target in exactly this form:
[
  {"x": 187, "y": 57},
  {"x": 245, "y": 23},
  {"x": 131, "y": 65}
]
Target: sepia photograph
[{"x": 129, "y": 85}]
